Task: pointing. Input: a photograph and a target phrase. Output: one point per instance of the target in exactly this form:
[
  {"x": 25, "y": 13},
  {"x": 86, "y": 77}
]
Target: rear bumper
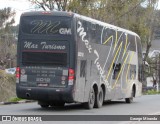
[{"x": 46, "y": 94}]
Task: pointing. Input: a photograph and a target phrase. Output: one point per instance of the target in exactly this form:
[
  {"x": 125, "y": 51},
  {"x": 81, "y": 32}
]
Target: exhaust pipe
[{"x": 28, "y": 95}]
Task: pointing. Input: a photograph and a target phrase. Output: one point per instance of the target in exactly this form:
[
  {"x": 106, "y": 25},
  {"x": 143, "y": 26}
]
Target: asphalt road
[{"x": 144, "y": 105}]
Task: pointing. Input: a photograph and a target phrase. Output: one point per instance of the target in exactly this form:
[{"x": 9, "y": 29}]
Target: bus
[{"x": 64, "y": 57}]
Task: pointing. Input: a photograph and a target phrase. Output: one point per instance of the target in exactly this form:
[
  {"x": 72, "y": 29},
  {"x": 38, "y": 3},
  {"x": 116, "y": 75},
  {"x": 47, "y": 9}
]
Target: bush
[
  {"x": 151, "y": 92},
  {"x": 15, "y": 99},
  {"x": 7, "y": 86}
]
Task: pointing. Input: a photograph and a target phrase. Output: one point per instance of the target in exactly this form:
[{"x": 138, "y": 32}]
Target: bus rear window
[
  {"x": 46, "y": 25},
  {"x": 44, "y": 58}
]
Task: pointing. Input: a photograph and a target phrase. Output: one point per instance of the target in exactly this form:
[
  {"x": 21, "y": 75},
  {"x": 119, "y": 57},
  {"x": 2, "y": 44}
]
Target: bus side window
[
  {"x": 83, "y": 68},
  {"x": 116, "y": 69}
]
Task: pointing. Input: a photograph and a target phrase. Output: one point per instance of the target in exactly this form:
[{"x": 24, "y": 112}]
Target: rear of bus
[{"x": 46, "y": 57}]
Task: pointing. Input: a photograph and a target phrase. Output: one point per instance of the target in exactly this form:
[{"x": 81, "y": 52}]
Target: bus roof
[
  {"x": 71, "y": 14},
  {"x": 106, "y": 24},
  {"x": 55, "y": 13}
]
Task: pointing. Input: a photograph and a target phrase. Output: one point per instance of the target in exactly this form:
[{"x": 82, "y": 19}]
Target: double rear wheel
[
  {"x": 43, "y": 104},
  {"x": 91, "y": 100},
  {"x": 95, "y": 99},
  {"x": 99, "y": 99}
]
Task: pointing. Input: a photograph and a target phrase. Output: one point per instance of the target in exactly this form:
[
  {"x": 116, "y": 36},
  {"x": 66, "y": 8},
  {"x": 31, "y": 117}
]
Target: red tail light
[
  {"x": 18, "y": 72},
  {"x": 71, "y": 74}
]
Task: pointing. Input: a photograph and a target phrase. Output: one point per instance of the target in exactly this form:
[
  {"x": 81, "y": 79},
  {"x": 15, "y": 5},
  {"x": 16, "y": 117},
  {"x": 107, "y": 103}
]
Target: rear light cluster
[
  {"x": 17, "y": 74},
  {"x": 71, "y": 75}
]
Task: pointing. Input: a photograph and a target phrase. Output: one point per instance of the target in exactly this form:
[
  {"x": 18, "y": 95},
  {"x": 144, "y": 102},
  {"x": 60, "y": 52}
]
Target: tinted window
[
  {"x": 83, "y": 68},
  {"x": 44, "y": 58},
  {"x": 45, "y": 25},
  {"x": 132, "y": 42}
]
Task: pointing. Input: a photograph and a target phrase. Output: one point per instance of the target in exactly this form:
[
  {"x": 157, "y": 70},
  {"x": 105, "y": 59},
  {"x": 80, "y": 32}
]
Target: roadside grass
[
  {"x": 151, "y": 92},
  {"x": 7, "y": 86},
  {"x": 15, "y": 99}
]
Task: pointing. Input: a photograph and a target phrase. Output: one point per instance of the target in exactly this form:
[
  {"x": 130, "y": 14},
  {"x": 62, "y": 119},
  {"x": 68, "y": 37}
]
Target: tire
[
  {"x": 130, "y": 100},
  {"x": 43, "y": 104},
  {"x": 99, "y": 98},
  {"x": 58, "y": 104},
  {"x": 91, "y": 100}
]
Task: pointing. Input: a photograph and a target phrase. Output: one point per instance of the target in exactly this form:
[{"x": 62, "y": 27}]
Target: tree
[
  {"x": 150, "y": 23},
  {"x": 59, "y": 5},
  {"x": 7, "y": 40},
  {"x": 6, "y": 17}
]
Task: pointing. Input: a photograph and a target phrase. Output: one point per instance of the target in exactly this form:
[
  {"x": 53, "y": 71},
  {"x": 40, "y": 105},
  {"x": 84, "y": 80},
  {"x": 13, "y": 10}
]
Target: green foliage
[
  {"x": 15, "y": 99},
  {"x": 151, "y": 92},
  {"x": 59, "y": 5},
  {"x": 6, "y": 17},
  {"x": 7, "y": 38},
  {"x": 7, "y": 86}
]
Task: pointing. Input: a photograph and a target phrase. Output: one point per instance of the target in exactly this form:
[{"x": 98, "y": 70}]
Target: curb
[{"x": 19, "y": 102}]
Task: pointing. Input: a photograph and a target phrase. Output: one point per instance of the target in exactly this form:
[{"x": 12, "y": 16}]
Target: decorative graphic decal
[
  {"x": 117, "y": 50},
  {"x": 41, "y": 26},
  {"x": 101, "y": 70},
  {"x": 115, "y": 57},
  {"x": 119, "y": 47},
  {"x": 82, "y": 34}
]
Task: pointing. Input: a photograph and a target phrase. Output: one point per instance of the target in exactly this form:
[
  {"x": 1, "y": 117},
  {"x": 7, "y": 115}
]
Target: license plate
[{"x": 43, "y": 84}]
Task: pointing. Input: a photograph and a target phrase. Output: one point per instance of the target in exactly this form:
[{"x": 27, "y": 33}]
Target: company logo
[{"x": 65, "y": 31}]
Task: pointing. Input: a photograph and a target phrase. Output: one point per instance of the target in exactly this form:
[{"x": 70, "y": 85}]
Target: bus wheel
[
  {"x": 91, "y": 100},
  {"x": 43, "y": 104},
  {"x": 99, "y": 99},
  {"x": 57, "y": 104},
  {"x": 130, "y": 100}
]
